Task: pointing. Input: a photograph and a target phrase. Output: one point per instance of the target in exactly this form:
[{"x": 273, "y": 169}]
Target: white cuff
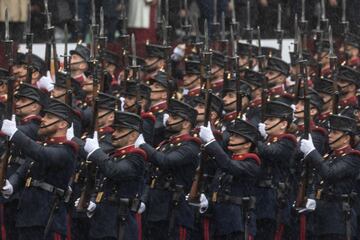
[
  {"x": 212, "y": 140},
  {"x": 88, "y": 156}
]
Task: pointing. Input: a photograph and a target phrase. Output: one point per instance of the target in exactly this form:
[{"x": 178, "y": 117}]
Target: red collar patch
[
  {"x": 105, "y": 130},
  {"x": 352, "y": 101},
  {"x": 148, "y": 115},
  {"x": 184, "y": 138},
  {"x": 241, "y": 157},
  {"x": 288, "y": 136},
  {"x": 130, "y": 149},
  {"x": 30, "y": 118},
  {"x": 62, "y": 141},
  {"x": 158, "y": 107},
  {"x": 230, "y": 116}
]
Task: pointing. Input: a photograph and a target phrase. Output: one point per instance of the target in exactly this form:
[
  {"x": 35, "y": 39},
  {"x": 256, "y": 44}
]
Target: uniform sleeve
[
  {"x": 337, "y": 170},
  {"x": 48, "y": 156},
  {"x": 131, "y": 166},
  {"x": 183, "y": 155},
  {"x": 17, "y": 179},
  {"x": 247, "y": 167}
]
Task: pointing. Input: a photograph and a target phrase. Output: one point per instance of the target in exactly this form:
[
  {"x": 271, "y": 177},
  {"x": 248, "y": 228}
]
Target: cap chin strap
[
  {"x": 107, "y": 113},
  {"x": 26, "y": 105},
  {"x": 122, "y": 136},
  {"x": 169, "y": 125},
  {"x": 238, "y": 144},
  {"x": 61, "y": 95},
  {"x": 225, "y": 105},
  {"x": 186, "y": 85},
  {"x": 51, "y": 124},
  {"x": 267, "y": 129},
  {"x": 270, "y": 79},
  {"x": 148, "y": 68}
]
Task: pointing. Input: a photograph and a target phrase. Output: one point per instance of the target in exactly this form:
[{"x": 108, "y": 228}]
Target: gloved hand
[
  {"x": 70, "y": 132},
  {"x": 9, "y": 126},
  {"x": 140, "y": 140},
  {"x": 309, "y": 207},
  {"x": 142, "y": 208},
  {"x": 45, "y": 82},
  {"x": 165, "y": 118},
  {"x": 307, "y": 146},
  {"x": 206, "y": 134},
  {"x": 91, "y": 209},
  {"x": 7, "y": 190},
  {"x": 204, "y": 203},
  {"x": 91, "y": 144},
  {"x": 178, "y": 53},
  {"x": 262, "y": 130},
  {"x": 122, "y": 99}
]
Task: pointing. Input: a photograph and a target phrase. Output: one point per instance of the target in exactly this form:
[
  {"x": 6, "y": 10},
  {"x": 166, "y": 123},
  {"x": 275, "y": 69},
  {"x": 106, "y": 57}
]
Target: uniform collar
[
  {"x": 56, "y": 140},
  {"x": 218, "y": 84},
  {"x": 352, "y": 101},
  {"x": 277, "y": 90},
  {"x": 3, "y": 98},
  {"x": 194, "y": 92},
  {"x": 105, "y": 130},
  {"x": 301, "y": 127},
  {"x": 159, "y": 107},
  {"x": 342, "y": 151},
  {"x": 325, "y": 71},
  {"x": 354, "y": 62},
  {"x": 324, "y": 115},
  {"x": 241, "y": 157},
  {"x": 124, "y": 150},
  {"x": 230, "y": 116},
  {"x": 255, "y": 103},
  {"x": 80, "y": 78},
  {"x": 180, "y": 138}
]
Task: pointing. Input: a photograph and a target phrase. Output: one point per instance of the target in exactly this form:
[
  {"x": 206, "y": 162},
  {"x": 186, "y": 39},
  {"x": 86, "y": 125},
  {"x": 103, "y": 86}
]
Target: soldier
[
  {"x": 243, "y": 51},
  {"x": 217, "y": 71},
  {"x": 350, "y": 49},
  {"x": 111, "y": 64},
  {"x": 273, "y": 207},
  {"x": 172, "y": 170},
  {"x": 79, "y": 59},
  {"x": 322, "y": 56},
  {"x": 255, "y": 80},
  {"x": 191, "y": 79},
  {"x": 325, "y": 89},
  {"x": 4, "y": 74},
  {"x": 276, "y": 73},
  {"x": 46, "y": 174},
  {"x": 118, "y": 198},
  {"x": 348, "y": 82},
  {"x": 233, "y": 195},
  {"x": 131, "y": 104},
  {"x": 215, "y": 113},
  {"x": 155, "y": 59},
  {"x": 338, "y": 172},
  {"x": 229, "y": 99}
]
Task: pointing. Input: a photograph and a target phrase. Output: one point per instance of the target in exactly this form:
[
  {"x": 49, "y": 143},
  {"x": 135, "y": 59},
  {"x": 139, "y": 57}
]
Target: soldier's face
[
  {"x": 174, "y": 123},
  {"x": 275, "y": 78},
  {"x": 229, "y": 101},
  {"x": 327, "y": 101},
  {"x": 346, "y": 87},
  {"x": 158, "y": 92},
  {"x": 274, "y": 126},
  {"x": 238, "y": 143},
  {"x": 129, "y": 103},
  {"x": 200, "y": 108},
  {"x": 299, "y": 110},
  {"x": 338, "y": 139},
  {"x": 77, "y": 62},
  {"x": 243, "y": 60},
  {"x": 88, "y": 85},
  {"x": 24, "y": 106},
  {"x": 217, "y": 72},
  {"x": 49, "y": 125},
  {"x": 189, "y": 80},
  {"x": 120, "y": 137},
  {"x": 20, "y": 72},
  {"x": 59, "y": 93},
  {"x": 105, "y": 117}
]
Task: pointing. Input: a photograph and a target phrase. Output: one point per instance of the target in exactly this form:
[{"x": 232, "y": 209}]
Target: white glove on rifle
[
  {"x": 46, "y": 82},
  {"x": 142, "y": 208},
  {"x": 91, "y": 144},
  {"x": 309, "y": 207},
  {"x": 262, "y": 130},
  {"x": 204, "y": 203},
  {"x": 307, "y": 146},
  {"x": 9, "y": 127},
  {"x": 206, "y": 134},
  {"x": 140, "y": 140},
  {"x": 165, "y": 118},
  {"x": 70, "y": 132},
  {"x": 7, "y": 190},
  {"x": 91, "y": 209}
]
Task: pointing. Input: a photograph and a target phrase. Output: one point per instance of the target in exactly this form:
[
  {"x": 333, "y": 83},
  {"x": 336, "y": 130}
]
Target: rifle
[
  {"x": 264, "y": 88},
  {"x": 102, "y": 39},
  {"x": 303, "y": 24},
  {"x": 68, "y": 97},
  {"x": 168, "y": 69},
  {"x": 195, "y": 191},
  {"x": 89, "y": 182},
  {"x": 235, "y": 74},
  {"x": 345, "y": 27},
  {"x": 233, "y": 22},
  {"x": 124, "y": 39},
  {"x": 10, "y": 99},
  {"x": 333, "y": 68},
  {"x": 215, "y": 24},
  {"x": 249, "y": 34},
  {"x": 186, "y": 26},
  {"x": 77, "y": 22},
  {"x": 324, "y": 21},
  {"x": 135, "y": 69},
  {"x": 53, "y": 67},
  {"x": 29, "y": 36},
  {"x": 279, "y": 31},
  {"x": 223, "y": 42},
  {"x": 303, "y": 78}
]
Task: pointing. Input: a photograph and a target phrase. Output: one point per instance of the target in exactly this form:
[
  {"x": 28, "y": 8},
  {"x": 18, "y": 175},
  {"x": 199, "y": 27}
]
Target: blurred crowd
[{"x": 142, "y": 14}]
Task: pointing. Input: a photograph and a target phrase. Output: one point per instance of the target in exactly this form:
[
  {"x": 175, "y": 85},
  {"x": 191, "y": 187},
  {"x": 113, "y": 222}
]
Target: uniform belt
[
  {"x": 132, "y": 203},
  {"x": 44, "y": 186},
  {"x": 340, "y": 198},
  {"x": 265, "y": 184},
  {"x": 224, "y": 198}
]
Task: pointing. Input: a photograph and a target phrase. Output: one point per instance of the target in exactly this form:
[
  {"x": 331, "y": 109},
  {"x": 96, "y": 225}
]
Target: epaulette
[
  {"x": 321, "y": 130},
  {"x": 241, "y": 157},
  {"x": 73, "y": 145},
  {"x": 185, "y": 138},
  {"x": 148, "y": 115},
  {"x": 355, "y": 152},
  {"x": 287, "y": 136},
  {"x": 130, "y": 149}
]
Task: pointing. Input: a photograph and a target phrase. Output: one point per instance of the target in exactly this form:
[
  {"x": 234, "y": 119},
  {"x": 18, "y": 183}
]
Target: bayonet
[
  {"x": 343, "y": 15},
  {"x": 222, "y": 33},
  {"x": 66, "y": 64},
  {"x": 215, "y": 20},
  {"x": 166, "y": 12},
  {"x": 296, "y": 27},
  {"x": 159, "y": 16},
  {"x": 279, "y": 18},
  {"x": 248, "y": 23},
  {"x": 102, "y": 32},
  {"x": 164, "y": 32},
  {"x": 279, "y": 31},
  {"x": 133, "y": 50},
  {"x": 186, "y": 12},
  {"x": 7, "y": 30},
  {"x": 93, "y": 13},
  {"x": 302, "y": 10},
  {"x": 324, "y": 20},
  {"x": 333, "y": 68},
  {"x": 28, "y": 20},
  {"x": 206, "y": 34}
]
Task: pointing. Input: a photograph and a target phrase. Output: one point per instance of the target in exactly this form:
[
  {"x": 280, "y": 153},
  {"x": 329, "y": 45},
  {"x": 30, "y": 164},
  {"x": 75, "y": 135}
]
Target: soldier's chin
[{"x": 45, "y": 132}]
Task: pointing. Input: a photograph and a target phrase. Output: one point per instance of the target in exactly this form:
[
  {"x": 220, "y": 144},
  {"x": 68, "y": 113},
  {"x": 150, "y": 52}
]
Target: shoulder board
[
  {"x": 78, "y": 113},
  {"x": 320, "y": 130},
  {"x": 73, "y": 145},
  {"x": 289, "y": 137},
  {"x": 148, "y": 115},
  {"x": 252, "y": 156},
  {"x": 2, "y": 134},
  {"x": 192, "y": 139},
  {"x": 140, "y": 152}
]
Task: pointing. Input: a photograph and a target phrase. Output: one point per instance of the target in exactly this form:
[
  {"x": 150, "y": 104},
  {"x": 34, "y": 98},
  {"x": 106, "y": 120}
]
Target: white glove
[
  {"x": 7, "y": 190},
  {"x": 140, "y": 140},
  {"x": 165, "y": 118},
  {"x": 178, "y": 53},
  {"x": 46, "y": 83},
  {"x": 122, "y": 99},
  {"x": 206, "y": 133},
  {"x": 70, "y": 132},
  {"x": 262, "y": 130},
  {"x": 9, "y": 127},
  {"x": 91, "y": 144},
  {"x": 307, "y": 146},
  {"x": 141, "y": 208},
  {"x": 91, "y": 209},
  {"x": 309, "y": 207},
  {"x": 204, "y": 203}
]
